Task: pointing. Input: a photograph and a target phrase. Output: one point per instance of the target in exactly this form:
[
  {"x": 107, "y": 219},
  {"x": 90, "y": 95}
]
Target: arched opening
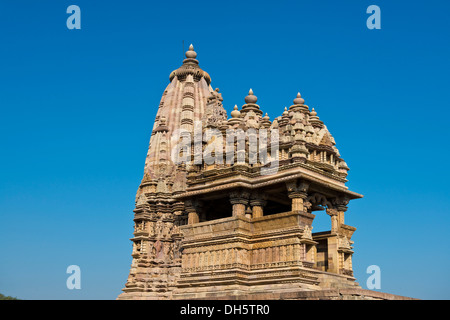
[{"x": 321, "y": 222}]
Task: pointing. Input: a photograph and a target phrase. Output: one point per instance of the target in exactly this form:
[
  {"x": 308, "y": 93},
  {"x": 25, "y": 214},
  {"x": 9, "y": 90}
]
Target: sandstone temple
[{"x": 239, "y": 229}]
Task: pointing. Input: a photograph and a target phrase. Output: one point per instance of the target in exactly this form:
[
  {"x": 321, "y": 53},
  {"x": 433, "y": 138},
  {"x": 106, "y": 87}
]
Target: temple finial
[
  {"x": 299, "y": 99},
  {"x": 191, "y": 54},
  {"x": 251, "y": 98}
]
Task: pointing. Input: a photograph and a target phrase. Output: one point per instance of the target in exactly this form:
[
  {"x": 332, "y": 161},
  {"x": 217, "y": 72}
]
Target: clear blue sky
[{"x": 77, "y": 108}]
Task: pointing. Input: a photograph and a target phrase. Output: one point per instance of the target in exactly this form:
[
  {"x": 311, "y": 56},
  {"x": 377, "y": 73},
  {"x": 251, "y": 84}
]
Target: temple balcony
[{"x": 278, "y": 248}]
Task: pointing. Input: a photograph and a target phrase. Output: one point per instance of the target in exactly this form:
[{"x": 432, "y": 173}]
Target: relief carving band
[{"x": 228, "y": 201}]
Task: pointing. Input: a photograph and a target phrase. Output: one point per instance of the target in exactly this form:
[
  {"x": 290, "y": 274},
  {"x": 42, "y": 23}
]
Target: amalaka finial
[
  {"x": 191, "y": 54},
  {"x": 299, "y": 99},
  {"x": 251, "y": 98}
]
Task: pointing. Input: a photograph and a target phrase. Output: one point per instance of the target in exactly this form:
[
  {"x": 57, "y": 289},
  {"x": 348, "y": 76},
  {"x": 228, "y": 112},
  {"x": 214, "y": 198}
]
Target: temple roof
[{"x": 189, "y": 99}]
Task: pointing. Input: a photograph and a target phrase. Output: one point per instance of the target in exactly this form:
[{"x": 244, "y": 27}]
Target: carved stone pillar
[
  {"x": 192, "y": 208},
  {"x": 333, "y": 254},
  {"x": 257, "y": 201},
  {"x": 193, "y": 217},
  {"x": 297, "y": 201},
  {"x": 297, "y": 191},
  {"x": 345, "y": 247},
  {"x": 333, "y": 213},
  {"x": 239, "y": 201},
  {"x": 333, "y": 242}
]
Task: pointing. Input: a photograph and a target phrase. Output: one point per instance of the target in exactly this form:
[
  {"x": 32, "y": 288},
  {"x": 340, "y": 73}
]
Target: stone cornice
[{"x": 243, "y": 180}]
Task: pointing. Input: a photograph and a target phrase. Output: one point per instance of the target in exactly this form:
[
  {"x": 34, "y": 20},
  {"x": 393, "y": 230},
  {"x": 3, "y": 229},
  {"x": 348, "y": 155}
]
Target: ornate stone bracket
[
  {"x": 297, "y": 191},
  {"x": 340, "y": 204},
  {"x": 318, "y": 199}
]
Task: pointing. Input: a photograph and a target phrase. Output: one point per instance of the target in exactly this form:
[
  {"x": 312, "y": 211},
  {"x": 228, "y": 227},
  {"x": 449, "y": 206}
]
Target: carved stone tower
[{"x": 240, "y": 225}]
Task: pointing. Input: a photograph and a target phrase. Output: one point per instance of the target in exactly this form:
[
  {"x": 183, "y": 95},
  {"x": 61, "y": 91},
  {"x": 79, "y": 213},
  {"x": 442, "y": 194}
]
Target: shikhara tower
[{"x": 225, "y": 230}]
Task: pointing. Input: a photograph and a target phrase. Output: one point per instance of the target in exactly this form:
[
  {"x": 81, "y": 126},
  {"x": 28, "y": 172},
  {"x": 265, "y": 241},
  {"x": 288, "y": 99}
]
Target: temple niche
[{"x": 230, "y": 222}]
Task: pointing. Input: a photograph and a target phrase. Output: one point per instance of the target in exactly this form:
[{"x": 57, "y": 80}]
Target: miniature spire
[
  {"x": 284, "y": 119},
  {"x": 314, "y": 119},
  {"x": 266, "y": 121},
  {"x": 314, "y": 114},
  {"x": 235, "y": 113},
  {"x": 235, "y": 116}
]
